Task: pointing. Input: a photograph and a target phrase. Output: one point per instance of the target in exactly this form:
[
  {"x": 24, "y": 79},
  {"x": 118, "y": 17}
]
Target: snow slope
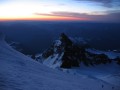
[
  {"x": 18, "y": 72},
  {"x": 53, "y": 62},
  {"x": 109, "y": 73}
]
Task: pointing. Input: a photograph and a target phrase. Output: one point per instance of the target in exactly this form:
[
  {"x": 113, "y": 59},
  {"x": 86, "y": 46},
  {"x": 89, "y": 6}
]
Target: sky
[{"x": 78, "y": 10}]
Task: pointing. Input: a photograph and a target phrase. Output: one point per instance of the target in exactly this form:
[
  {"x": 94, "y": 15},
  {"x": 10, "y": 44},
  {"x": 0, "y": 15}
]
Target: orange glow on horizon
[{"x": 44, "y": 18}]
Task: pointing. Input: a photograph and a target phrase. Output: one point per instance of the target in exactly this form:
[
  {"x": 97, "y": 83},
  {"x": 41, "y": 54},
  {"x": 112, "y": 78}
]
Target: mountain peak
[
  {"x": 65, "y": 40},
  {"x": 64, "y": 53}
]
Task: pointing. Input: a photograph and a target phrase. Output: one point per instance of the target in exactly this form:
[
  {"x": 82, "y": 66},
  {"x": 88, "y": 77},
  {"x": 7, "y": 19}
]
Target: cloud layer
[
  {"x": 110, "y": 17},
  {"x": 106, "y": 3}
]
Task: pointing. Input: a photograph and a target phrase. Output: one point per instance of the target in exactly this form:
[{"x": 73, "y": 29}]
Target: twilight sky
[{"x": 83, "y": 10}]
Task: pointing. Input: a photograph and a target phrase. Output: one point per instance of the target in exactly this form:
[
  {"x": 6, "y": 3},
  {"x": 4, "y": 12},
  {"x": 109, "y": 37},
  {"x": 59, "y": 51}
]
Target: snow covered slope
[
  {"x": 109, "y": 73},
  {"x": 18, "y": 72}
]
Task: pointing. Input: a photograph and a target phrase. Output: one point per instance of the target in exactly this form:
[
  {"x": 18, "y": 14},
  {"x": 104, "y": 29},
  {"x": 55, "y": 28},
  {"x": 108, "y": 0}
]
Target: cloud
[
  {"x": 111, "y": 16},
  {"x": 63, "y": 14},
  {"x": 106, "y": 3}
]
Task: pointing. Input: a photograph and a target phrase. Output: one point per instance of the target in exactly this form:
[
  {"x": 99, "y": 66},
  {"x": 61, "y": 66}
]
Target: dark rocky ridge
[{"x": 74, "y": 54}]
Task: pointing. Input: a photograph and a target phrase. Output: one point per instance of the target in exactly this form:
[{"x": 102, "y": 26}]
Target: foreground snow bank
[{"x": 18, "y": 72}]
